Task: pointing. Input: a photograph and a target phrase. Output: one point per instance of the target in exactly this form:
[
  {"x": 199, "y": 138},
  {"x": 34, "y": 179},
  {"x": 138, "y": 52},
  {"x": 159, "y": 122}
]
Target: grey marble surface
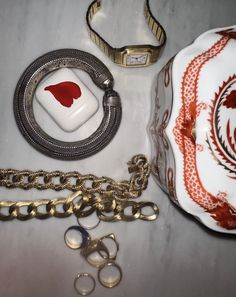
[{"x": 174, "y": 256}]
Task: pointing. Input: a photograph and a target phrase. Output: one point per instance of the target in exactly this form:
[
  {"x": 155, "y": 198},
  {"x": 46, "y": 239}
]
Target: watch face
[{"x": 136, "y": 59}]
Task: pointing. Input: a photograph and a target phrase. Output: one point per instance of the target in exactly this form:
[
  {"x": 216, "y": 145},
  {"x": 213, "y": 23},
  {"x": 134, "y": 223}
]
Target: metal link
[
  {"x": 6, "y": 205},
  {"x": 109, "y": 199},
  {"x": 52, "y": 208},
  {"x": 16, "y": 210},
  {"x": 74, "y": 181},
  {"x": 135, "y": 213},
  {"x": 33, "y": 208},
  {"x": 149, "y": 217},
  {"x": 112, "y": 210}
]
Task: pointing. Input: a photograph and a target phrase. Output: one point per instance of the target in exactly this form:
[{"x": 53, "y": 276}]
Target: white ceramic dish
[{"x": 193, "y": 129}]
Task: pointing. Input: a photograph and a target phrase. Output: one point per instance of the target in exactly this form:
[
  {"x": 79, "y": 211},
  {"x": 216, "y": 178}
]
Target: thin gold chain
[{"x": 101, "y": 194}]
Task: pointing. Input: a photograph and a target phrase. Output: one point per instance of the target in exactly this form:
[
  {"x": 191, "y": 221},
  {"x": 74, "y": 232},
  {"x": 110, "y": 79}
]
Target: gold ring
[
  {"x": 112, "y": 237},
  {"x": 85, "y": 238},
  {"x": 91, "y": 226},
  {"x": 109, "y": 283},
  {"x": 95, "y": 246},
  {"x": 81, "y": 291}
]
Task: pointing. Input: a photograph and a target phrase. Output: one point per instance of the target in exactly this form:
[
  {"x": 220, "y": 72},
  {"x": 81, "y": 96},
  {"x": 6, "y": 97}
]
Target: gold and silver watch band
[{"x": 130, "y": 55}]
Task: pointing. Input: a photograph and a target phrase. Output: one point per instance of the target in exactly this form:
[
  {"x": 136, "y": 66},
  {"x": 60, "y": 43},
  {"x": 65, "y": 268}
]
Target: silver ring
[
  {"x": 23, "y": 105},
  {"x": 82, "y": 291}
]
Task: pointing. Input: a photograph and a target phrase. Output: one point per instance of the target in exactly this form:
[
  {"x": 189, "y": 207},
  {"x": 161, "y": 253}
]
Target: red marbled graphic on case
[
  {"x": 65, "y": 92},
  {"x": 217, "y": 206}
]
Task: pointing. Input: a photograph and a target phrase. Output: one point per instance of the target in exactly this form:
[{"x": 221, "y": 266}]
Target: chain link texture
[
  {"x": 110, "y": 199},
  {"x": 24, "y": 111}
]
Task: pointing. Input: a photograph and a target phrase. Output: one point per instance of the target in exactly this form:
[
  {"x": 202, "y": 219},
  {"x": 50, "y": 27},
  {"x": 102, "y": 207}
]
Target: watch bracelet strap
[
  {"x": 96, "y": 38},
  {"x": 156, "y": 28},
  {"x": 115, "y": 54}
]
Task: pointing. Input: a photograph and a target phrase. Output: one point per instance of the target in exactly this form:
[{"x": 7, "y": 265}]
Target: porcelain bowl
[{"x": 193, "y": 129}]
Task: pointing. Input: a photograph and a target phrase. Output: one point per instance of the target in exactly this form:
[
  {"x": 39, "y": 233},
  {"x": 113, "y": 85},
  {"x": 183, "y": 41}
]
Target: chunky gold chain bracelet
[
  {"x": 138, "y": 166},
  {"x": 110, "y": 199}
]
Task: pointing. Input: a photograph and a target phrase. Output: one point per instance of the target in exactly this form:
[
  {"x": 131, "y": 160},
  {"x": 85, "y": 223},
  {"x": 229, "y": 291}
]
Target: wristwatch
[{"x": 130, "y": 55}]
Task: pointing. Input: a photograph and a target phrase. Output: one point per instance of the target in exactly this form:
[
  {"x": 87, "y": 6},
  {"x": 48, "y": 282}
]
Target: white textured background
[{"x": 172, "y": 257}]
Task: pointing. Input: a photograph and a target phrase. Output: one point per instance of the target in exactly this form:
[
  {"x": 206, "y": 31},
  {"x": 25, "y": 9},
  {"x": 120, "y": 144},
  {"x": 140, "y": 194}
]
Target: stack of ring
[{"x": 105, "y": 262}]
